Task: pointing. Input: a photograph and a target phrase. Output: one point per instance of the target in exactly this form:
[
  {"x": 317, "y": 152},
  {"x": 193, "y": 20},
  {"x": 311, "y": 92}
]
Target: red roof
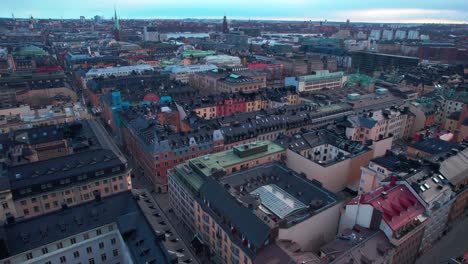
[
  {"x": 151, "y": 97},
  {"x": 398, "y": 206}
]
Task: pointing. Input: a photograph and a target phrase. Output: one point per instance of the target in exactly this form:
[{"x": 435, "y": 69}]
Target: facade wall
[
  {"x": 50, "y": 201},
  {"x": 99, "y": 245},
  {"x": 333, "y": 178},
  {"x": 315, "y": 231}
]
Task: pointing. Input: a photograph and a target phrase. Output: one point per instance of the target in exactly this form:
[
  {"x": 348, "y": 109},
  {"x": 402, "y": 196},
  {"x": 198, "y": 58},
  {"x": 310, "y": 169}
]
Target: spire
[
  {"x": 116, "y": 20},
  {"x": 225, "y": 25}
]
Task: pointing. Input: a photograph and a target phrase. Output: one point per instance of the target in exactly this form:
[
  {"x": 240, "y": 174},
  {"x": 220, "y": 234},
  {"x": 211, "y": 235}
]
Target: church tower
[
  {"x": 225, "y": 25},
  {"x": 117, "y": 34}
]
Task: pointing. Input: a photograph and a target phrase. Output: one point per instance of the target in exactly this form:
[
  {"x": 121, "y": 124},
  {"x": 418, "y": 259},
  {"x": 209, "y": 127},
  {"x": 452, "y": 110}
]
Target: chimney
[
  {"x": 393, "y": 181},
  {"x": 362, "y": 198}
]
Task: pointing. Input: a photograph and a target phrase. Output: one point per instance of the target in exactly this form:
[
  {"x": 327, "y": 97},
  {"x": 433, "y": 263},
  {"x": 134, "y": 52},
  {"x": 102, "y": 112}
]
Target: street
[{"x": 452, "y": 245}]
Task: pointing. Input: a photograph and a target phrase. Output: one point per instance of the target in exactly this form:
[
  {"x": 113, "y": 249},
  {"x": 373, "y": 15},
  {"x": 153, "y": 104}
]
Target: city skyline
[{"x": 433, "y": 11}]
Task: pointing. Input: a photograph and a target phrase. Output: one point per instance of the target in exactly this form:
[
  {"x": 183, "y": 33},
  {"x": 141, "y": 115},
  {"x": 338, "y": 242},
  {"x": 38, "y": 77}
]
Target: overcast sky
[{"x": 436, "y": 11}]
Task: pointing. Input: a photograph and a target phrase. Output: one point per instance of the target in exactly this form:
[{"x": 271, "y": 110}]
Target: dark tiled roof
[
  {"x": 120, "y": 208},
  {"x": 434, "y": 146},
  {"x": 241, "y": 217}
]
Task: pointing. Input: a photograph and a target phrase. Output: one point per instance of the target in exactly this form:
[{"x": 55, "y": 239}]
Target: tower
[
  {"x": 225, "y": 25},
  {"x": 116, "y": 26}
]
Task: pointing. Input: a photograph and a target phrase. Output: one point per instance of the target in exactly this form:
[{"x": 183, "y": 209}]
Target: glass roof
[{"x": 278, "y": 201}]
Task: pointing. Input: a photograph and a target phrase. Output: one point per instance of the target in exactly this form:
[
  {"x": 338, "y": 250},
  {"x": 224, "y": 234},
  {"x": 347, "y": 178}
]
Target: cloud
[{"x": 406, "y": 15}]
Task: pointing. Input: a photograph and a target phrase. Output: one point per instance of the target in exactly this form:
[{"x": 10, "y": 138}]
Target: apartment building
[
  {"x": 217, "y": 81},
  {"x": 120, "y": 228},
  {"x": 240, "y": 214},
  {"x": 320, "y": 80},
  {"x": 396, "y": 211},
  {"x": 117, "y": 71},
  {"x": 160, "y": 148},
  {"x": 378, "y": 124},
  {"x": 182, "y": 73},
  {"x": 330, "y": 158},
  {"x": 51, "y": 170}
]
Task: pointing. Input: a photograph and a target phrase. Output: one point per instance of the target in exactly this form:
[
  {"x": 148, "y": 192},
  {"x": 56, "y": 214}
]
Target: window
[
  {"x": 33, "y": 200},
  {"x": 55, "y": 204},
  {"x": 29, "y": 255},
  {"x": 76, "y": 254},
  {"x": 101, "y": 245},
  {"x": 113, "y": 241},
  {"x": 23, "y": 202},
  {"x": 91, "y": 261},
  {"x": 36, "y": 209},
  {"x": 115, "y": 252},
  {"x": 99, "y": 173},
  {"x": 86, "y": 236},
  {"x": 73, "y": 241},
  {"x": 45, "y": 250},
  {"x": 98, "y": 232},
  {"x": 47, "y": 206},
  {"x": 63, "y": 259},
  {"x": 59, "y": 245},
  {"x": 89, "y": 249},
  {"x": 5, "y": 206},
  {"x": 103, "y": 257},
  {"x": 111, "y": 227},
  {"x": 26, "y": 212}
]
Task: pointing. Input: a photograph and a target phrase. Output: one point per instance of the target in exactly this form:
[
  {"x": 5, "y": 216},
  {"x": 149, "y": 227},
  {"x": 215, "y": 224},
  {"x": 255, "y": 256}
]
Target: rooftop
[
  {"x": 434, "y": 146},
  {"x": 219, "y": 161},
  {"x": 397, "y": 204},
  {"x": 121, "y": 209},
  {"x": 320, "y": 75}
]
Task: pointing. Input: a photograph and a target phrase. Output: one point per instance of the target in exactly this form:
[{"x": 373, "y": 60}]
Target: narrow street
[
  {"x": 139, "y": 182},
  {"x": 452, "y": 245}
]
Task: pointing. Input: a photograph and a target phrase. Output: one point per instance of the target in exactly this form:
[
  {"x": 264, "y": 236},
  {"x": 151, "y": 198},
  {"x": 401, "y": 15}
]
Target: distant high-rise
[
  {"x": 225, "y": 25},
  {"x": 117, "y": 35},
  {"x": 82, "y": 19}
]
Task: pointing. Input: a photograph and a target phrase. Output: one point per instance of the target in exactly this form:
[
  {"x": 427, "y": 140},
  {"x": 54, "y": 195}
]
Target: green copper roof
[
  {"x": 116, "y": 21},
  {"x": 30, "y": 50},
  {"x": 356, "y": 78},
  {"x": 197, "y": 53}
]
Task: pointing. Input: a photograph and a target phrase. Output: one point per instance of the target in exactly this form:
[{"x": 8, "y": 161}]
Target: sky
[{"x": 390, "y": 11}]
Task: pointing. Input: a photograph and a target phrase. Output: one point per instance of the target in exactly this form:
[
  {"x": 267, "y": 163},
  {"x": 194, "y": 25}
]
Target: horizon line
[{"x": 292, "y": 19}]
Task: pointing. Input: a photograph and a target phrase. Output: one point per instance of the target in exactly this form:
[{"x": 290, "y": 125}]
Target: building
[
  {"x": 455, "y": 169},
  {"x": 378, "y": 124},
  {"x": 413, "y": 34},
  {"x": 431, "y": 148},
  {"x": 117, "y": 71},
  {"x": 223, "y": 60},
  {"x": 150, "y": 34},
  {"x": 396, "y": 211},
  {"x": 247, "y": 210},
  {"x": 330, "y": 158},
  {"x": 48, "y": 167},
  {"x": 370, "y": 61},
  {"x": 182, "y": 73},
  {"x": 387, "y": 34},
  {"x": 318, "y": 81},
  {"x": 358, "y": 244},
  {"x": 375, "y": 34},
  {"x": 121, "y": 228},
  {"x": 160, "y": 147},
  {"x": 221, "y": 81},
  {"x": 274, "y": 71},
  {"x": 35, "y": 89},
  {"x": 305, "y": 65}
]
